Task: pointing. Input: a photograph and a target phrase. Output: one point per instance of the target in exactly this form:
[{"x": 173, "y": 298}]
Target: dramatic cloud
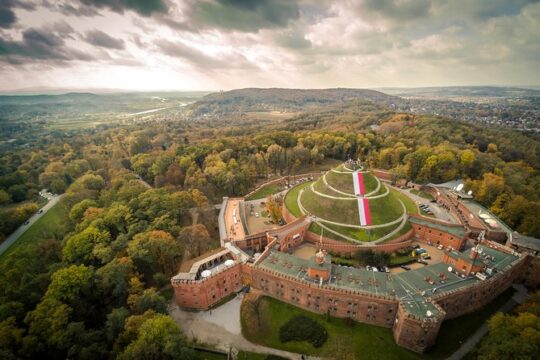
[
  {"x": 41, "y": 44},
  {"x": 143, "y": 7},
  {"x": 99, "y": 38},
  {"x": 245, "y": 15},
  {"x": 222, "y": 44}
]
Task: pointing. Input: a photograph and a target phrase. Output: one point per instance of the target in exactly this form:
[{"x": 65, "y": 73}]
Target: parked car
[
  {"x": 40, "y": 211},
  {"x": 368, "y": 268},
  {"x": 422, "y": 261},
  {"x": 381, "y": 269},
  {"x": 374, "y": 269},
  {"x": 26, "y": 222},
  {"x": 405, "y": 267}
]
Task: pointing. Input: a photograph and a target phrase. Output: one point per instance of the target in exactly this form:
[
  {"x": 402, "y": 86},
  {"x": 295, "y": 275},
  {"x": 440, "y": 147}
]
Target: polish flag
[
  {"x": 358, "y": 181},
  {"x": 363, "y": 210}
]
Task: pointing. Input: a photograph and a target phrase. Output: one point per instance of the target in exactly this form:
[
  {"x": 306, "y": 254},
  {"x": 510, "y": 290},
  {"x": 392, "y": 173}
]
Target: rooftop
[
  {"x": 528, "y": 242},
  {"x": 413, "y": 288},
  {"x": 213, "y": 261},
  {"x": 477, "y": 209},
  {"x": 458, "y": 231}
]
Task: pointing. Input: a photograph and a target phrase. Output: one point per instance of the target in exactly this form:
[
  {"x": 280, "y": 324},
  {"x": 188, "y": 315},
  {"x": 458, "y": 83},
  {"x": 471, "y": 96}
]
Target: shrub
[{"x": 303, "y": 328}]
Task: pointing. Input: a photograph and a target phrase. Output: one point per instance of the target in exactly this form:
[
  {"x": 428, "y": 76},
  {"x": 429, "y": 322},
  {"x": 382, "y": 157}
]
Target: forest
[{"x": 100, "y": 288}]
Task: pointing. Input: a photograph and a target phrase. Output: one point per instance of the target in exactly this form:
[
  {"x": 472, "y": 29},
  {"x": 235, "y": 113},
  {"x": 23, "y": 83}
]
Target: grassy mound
[
  {"x": 344, "y": 182},
  {"x": 383, "y": 210},
  {"x": 341, "y": 209}
]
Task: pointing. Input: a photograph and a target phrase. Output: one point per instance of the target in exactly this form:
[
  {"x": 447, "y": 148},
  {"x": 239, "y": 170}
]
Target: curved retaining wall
[
  {"x": 343, "y": 248},
  {"x": 281, "y": 179}
]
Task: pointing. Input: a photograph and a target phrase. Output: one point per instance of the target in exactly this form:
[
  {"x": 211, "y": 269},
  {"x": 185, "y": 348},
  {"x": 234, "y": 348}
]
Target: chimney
[
  {"x": 473, "y": 255},
  {"x": 319, "y": 257}
]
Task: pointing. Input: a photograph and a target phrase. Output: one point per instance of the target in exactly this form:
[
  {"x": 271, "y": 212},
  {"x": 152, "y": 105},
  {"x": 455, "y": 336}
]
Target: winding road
[{"x": 53, "y": 200}]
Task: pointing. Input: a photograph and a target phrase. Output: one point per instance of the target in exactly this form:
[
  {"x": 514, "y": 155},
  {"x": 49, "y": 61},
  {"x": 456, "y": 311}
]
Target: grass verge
[{"x": 54, "y": 224}]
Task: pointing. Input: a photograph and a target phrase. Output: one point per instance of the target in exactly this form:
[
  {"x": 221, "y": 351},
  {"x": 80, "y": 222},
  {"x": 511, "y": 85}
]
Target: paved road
[
  {"x": 53, "y": 200},
  {"x": 439, "y": 212},
  {"x": 518, "y": 298},
  {"x": 220, "y": 328}
]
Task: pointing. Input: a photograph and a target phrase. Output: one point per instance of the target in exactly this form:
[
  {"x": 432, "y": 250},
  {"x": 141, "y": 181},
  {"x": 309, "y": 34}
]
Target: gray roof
[{"x": 525, "y": 241}]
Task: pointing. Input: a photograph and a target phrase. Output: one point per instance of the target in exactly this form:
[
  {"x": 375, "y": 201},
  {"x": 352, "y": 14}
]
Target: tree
[
  {"x": 195, "y": 239},
  {"x": 513, "y": 336},
  {"x": 4, "y": 197},
  {"x": 276, "y": 157},
  {"x": 158, "y": 338},
  {"x": 112, "y": 280},
  {"x": 156, "y": 251},
  {"x": 148, "y": 299},
  {"x": 77, "y": 211},
  {"x": 79, "y": 247},
  {"x": 274, "y": 205}
]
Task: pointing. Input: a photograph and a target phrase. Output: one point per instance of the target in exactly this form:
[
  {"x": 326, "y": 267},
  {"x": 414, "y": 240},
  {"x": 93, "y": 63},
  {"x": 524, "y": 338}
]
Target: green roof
[
  {"x": 412, "y": 288},
  {"x": 476, "y": 208},
  {"x": 458, "y": 231}
]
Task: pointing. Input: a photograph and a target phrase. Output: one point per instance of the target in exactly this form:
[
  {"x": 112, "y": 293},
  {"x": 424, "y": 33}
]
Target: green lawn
[
  {"x": 409, "y": 203},
  {"x": 291, "y": 198},
  {"x": 54, "y": 224},
  {"x": 361, "y": 340},
  {"x": 264, "y": 192},
  {"x": 383, "y": 210},
  {"x": 344, "y": 182},
  {"x": 422, "y": 194}
]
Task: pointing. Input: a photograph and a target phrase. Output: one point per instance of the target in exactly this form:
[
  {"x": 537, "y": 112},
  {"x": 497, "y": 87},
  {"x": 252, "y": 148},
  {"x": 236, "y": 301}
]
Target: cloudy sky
[{"x": 225, "y": 44}]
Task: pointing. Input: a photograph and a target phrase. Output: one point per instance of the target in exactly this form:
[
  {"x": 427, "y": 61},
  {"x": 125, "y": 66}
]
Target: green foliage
[
  {"x": 302, "y": 328},
  {"x": 157, "y": 338},
  {"x": 513, "y": 336},
  {"x": 374, "y": 258}
]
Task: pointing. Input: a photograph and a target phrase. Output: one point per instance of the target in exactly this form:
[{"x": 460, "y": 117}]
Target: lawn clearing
[
  {"x": 264, "y": 192},
  {"x": 362, "y": 341}
]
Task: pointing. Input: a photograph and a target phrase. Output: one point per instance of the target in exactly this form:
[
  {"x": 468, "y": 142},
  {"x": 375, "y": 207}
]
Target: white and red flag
[
  {"x": 363, "y": 210},
  {"x": 358, "y": 181}
]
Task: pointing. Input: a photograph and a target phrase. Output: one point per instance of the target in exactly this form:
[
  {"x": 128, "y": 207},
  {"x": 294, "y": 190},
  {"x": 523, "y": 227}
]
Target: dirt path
[{"x": 220, "y": 328}]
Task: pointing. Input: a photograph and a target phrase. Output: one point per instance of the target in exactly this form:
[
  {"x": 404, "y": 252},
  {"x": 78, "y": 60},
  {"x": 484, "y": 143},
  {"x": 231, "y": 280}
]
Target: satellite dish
[
  {"x": 449, "y": 269},
  {"x": 469, "y": 192},
  {"x": 429, "y": 313},
  {"x": 459, "y": 187},
  {"x": 206, "y": 273},
  {"x": 229, "y": 262}
]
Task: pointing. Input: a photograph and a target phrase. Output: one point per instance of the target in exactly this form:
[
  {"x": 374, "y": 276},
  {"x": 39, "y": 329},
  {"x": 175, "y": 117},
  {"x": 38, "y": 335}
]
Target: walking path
[
  {"x": 518, "y": 298},
  {"x": 53, "y": 200},
  {"x": 221, "y": 329}
]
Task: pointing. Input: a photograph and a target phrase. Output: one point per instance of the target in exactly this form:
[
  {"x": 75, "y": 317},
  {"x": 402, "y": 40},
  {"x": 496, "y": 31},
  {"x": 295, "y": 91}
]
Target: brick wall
[
  {"x": 202, "y": 294},
  {"x": 343, "y": 248},
  {"x": 366, "y": 308}
]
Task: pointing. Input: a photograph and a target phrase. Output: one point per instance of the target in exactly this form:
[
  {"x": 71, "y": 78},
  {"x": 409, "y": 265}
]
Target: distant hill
[
  {"x": 462, "y": 91},
  {"x": 276, "y": 99}
]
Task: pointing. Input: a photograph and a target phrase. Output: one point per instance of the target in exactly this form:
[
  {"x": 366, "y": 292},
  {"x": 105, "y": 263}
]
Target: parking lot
[{"x": 435, "y": 253}]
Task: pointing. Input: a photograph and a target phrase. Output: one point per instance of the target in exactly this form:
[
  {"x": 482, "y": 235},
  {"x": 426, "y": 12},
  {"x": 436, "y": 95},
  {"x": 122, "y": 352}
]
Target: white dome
[
  {"x": 229, "y": 262},
  {"x": 206, "y": 273}
]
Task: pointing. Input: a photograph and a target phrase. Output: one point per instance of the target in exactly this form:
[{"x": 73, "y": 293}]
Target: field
[
  {"x": 362, "y": 341},
  {"x": 369, "y": 341},
  {"x": 52, "y": 224}
]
